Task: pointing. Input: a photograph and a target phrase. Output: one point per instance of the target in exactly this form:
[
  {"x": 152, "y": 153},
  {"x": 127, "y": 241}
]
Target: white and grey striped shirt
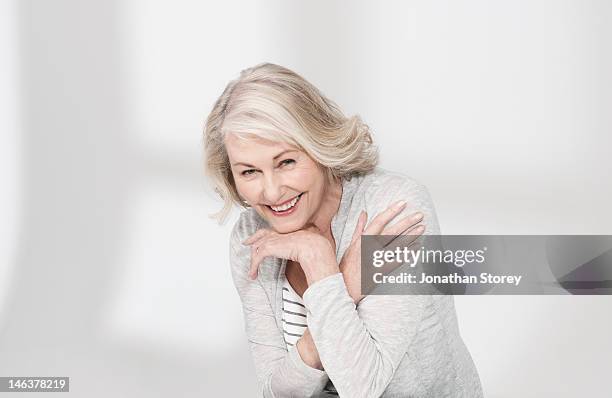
[{"x": 294, "y": 315}]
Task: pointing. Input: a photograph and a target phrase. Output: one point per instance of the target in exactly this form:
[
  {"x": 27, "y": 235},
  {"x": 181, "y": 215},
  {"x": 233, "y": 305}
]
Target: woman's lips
[{"x": 289, "y": 210}]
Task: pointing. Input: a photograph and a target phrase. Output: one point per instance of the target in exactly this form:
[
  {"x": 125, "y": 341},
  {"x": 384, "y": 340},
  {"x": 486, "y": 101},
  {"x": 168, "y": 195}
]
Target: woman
[{"x": 307, "y": 176}]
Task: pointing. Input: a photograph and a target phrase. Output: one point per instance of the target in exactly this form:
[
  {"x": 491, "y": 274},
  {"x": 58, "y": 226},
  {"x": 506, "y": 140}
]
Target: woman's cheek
[
  {"x": 247, "y": 191},
  {"x": 301, "y": 177}
]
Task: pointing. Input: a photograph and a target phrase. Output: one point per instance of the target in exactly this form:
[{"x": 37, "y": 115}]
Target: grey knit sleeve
[
  {"x": 361, "y": 347},
  {"x": 281, "y": 373}
]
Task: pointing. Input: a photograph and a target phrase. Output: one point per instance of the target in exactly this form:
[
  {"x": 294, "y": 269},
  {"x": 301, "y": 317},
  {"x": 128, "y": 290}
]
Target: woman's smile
[{"x": 285, "y": 208}]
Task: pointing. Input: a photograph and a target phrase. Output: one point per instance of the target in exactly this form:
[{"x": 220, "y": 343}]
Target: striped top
[
  {"x": 295, "y": 324},
  {"x": 294, "y": 315}
]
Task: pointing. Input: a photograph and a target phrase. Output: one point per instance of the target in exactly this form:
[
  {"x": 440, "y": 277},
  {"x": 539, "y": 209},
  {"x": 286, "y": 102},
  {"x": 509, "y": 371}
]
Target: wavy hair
[{"x": 272, "y": 102}]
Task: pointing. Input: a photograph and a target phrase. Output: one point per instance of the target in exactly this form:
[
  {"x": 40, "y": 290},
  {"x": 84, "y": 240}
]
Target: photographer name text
[{"x": 483, "y": 278}]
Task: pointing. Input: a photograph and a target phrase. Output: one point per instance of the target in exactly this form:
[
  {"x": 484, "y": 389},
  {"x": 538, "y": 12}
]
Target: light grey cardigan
[{"x": 390, "y": 346}]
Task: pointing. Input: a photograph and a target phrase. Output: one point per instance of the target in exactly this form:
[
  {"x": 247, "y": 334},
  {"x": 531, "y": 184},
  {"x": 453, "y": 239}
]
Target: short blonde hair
[{"x": 275, "y": 103}]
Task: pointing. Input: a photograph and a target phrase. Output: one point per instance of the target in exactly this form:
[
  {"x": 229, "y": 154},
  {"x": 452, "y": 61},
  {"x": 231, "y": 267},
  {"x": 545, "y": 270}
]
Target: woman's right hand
[{"x": 350, "y": 265}]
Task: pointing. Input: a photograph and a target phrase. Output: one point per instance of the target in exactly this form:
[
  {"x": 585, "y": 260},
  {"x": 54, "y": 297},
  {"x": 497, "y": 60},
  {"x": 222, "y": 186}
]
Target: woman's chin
[
  {"x": 282, "y": 225},
  {"x": 285, "y": 228}
]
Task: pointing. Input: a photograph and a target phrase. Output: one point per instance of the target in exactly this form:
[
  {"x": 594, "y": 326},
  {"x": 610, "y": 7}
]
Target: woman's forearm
[
  {"x": 361, "y": 349},
  {"x": 308, "y": 351}
]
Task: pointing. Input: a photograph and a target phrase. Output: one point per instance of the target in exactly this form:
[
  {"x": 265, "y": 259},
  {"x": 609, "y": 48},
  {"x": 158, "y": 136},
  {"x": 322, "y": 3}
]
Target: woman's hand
[
  {"x": 308, "y": 247},
  {"x": 350, "y": 265}
]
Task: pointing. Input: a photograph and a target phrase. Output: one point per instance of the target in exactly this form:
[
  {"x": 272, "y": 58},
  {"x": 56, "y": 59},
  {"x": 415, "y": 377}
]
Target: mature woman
[{"x": 307, "y": 176}]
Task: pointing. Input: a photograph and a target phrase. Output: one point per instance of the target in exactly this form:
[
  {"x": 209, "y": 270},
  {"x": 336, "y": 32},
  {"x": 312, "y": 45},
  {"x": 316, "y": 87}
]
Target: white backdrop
[{"x": 112, "y": 274}]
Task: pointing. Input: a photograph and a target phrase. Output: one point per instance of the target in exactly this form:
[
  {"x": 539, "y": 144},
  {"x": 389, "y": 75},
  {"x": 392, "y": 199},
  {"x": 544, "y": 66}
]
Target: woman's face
[{"x": 282, "y": 183}]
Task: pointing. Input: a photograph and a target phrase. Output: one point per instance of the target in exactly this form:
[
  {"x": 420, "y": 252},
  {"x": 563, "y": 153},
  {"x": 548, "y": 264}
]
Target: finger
[
  {"x": 256, "y": 236},
  {"x": 410, "y": 237},
  {"x": 254, "y": 264},
  {"x": 412, "y": 233},
  {"x": 416, "y": 231},
  {"x": 404, "y": 224},
  {"x": 409, "y": 240},
  {"x": 258, "y": 253},
  {"x": 382, "y": 219},
  {"x": 361, "y": 221}
]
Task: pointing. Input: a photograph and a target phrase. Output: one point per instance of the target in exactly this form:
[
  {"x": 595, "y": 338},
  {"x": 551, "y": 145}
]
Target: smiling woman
[
  {"x": 307, "y": 178},
  {"x": 279, "y": 180}
]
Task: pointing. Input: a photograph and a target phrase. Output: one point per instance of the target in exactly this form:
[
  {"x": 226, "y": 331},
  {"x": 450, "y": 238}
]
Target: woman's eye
[
  {"x": 248, "y": 172},
  {"x": 286, "y": 162}
]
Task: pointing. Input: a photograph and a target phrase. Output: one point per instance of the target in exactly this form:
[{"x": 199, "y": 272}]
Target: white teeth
[{"x": 286, "y": 206}]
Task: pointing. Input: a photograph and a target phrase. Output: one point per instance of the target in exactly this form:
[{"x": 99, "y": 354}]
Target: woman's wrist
[
  {"x": 353, "y": 291},
  {"x": 320, "y": 262},
  {"x": 308, "y": 351},
  {"x": 322, "y": 271}
]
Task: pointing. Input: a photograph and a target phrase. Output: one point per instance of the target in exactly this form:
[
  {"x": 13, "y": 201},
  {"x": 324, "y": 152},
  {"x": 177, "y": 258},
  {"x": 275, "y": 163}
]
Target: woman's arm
[
  {"x": 361, "y": 348},
  {"x": 308, "y": 351},
  {"x": 281, "y": 373}
]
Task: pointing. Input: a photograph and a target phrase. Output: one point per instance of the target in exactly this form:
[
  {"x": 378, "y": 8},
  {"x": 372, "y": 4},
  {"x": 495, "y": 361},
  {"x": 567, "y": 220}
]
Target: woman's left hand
[
  {"x": 307, "y": 247},
  {"x": 350, "y": 264}
]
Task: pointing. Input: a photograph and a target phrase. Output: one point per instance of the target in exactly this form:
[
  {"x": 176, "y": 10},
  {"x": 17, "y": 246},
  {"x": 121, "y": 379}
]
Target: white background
[{"x": 112, "y": 273}]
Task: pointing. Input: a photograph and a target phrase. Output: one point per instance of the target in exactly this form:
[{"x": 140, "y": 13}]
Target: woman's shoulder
[
  {"x": 383, "y": 183},
  {"x": 380, "y": 188}
]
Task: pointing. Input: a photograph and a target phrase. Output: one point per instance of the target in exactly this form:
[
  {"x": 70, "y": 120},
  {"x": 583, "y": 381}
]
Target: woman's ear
[{"x": 244, "y": 202}]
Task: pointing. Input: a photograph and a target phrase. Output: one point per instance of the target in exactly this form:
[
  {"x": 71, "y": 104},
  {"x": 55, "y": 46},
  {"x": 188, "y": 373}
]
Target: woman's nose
[{"x": 271, "y": 190}]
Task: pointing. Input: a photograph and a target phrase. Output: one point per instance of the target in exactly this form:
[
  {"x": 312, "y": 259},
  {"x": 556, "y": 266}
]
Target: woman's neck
[{"x": 329, "y": 207}]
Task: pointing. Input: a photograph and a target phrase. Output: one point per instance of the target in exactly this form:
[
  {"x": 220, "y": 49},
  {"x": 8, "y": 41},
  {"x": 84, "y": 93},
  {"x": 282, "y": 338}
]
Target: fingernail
[
  {"x": 399, "y": 205},
  {"x": 418, "y": 216}
]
